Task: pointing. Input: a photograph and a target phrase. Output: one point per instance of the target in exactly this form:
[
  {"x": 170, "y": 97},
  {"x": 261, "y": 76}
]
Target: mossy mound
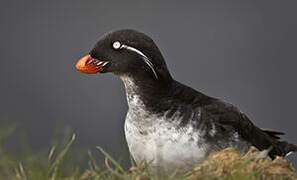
[{"x": 230, "y": 164}]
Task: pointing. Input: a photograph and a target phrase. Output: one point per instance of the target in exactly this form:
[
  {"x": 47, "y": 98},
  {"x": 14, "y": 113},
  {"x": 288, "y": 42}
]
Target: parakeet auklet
[{"x": 169, "y": 124}]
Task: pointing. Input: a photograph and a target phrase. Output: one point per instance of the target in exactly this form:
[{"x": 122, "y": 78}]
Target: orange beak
[{"x": 88, "y": 65}]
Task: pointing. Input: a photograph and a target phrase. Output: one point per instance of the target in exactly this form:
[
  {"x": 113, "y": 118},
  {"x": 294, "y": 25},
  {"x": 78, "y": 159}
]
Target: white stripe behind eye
[{"x": 144, "y": 57}]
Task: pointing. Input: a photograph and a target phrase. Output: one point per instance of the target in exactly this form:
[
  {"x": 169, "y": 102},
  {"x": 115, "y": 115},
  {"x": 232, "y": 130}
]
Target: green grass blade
[
  {"x": 114, "y": 162},
  {"x": 61, "y": 155}
]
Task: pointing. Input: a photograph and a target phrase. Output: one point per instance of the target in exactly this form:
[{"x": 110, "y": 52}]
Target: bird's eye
[{"x": 116, "y": 45}]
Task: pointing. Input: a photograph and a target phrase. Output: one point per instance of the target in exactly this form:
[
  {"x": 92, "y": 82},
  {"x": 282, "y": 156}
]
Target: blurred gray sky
[{"x": 243, "y": 52}]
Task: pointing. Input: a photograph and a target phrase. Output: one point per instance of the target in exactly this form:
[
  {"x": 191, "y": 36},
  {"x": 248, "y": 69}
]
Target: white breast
[{"x": 153, "y": 139}]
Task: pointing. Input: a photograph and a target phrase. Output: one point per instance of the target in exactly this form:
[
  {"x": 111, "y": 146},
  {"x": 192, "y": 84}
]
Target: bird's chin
[{"x": 90, "y": 65}]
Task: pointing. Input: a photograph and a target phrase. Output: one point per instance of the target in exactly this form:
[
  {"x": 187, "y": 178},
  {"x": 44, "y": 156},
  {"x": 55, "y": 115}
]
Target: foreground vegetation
[{"x": 58, "y": 164}]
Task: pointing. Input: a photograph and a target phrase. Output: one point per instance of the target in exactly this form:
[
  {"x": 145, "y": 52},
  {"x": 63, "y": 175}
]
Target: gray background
[{"x": 243, "y": 52}]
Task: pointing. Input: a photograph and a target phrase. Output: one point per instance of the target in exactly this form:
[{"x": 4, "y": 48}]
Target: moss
[{"x": 230, "y": 164}]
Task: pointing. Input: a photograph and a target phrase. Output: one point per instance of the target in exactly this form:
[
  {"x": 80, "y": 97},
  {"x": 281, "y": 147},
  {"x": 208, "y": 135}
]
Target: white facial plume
[{"x": 117, "y": 45}]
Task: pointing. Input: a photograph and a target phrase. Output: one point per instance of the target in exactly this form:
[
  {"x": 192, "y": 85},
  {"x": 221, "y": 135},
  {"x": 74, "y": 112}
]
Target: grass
[{"x": 55, "y": 164}]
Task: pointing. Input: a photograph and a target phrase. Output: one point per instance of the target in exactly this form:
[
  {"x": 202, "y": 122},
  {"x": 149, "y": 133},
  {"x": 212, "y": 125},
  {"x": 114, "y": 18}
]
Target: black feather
[{"x": 272, "y": 133}]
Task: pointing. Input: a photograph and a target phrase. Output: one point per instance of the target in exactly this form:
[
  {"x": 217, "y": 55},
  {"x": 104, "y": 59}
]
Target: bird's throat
[{"x": 144, "y": 94}]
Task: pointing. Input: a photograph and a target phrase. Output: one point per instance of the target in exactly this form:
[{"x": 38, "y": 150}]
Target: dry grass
[
  {"x": 230, "y": 164},
  {"x": 226, "y": 164}
]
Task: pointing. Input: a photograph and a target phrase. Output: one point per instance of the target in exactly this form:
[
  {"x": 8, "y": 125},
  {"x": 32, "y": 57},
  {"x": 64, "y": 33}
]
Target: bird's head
[{"x": 125, "y": 52}]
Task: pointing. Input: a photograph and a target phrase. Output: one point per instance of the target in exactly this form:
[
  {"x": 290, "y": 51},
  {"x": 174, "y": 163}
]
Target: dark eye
[{"x": 116, "y": 45}]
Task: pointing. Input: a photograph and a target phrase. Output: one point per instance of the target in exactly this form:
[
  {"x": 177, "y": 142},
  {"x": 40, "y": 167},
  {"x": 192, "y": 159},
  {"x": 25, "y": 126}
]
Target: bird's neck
[{"x": 146, "y": 94}]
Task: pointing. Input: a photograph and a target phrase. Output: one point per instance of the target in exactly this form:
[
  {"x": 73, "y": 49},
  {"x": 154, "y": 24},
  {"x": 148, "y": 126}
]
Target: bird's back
[{"x": 228, "y": 122}]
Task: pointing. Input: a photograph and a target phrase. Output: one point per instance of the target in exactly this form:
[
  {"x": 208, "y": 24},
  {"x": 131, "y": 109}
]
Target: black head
[{"x": 126, "y": 52}]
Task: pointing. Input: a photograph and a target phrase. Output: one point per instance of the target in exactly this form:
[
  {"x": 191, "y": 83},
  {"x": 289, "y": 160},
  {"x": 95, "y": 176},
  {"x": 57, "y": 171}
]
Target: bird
[{"x": 169, "y": 125}]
